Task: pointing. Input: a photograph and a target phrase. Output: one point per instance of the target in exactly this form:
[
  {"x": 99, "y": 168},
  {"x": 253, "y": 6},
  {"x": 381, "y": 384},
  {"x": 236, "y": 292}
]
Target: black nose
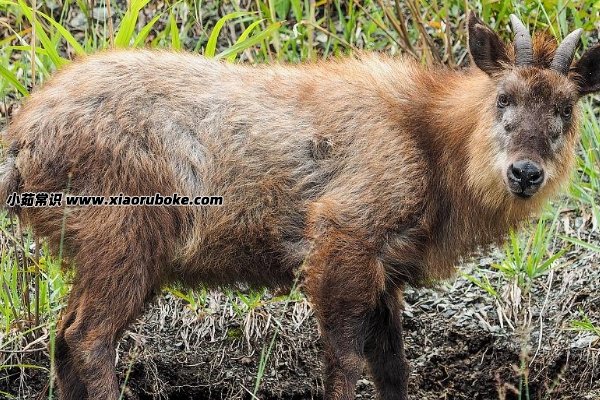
[{"x": 527, "y": 175}]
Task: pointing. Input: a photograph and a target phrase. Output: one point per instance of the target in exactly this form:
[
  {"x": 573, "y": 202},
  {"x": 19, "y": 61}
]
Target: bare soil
[{"x": 457, "y": 347}]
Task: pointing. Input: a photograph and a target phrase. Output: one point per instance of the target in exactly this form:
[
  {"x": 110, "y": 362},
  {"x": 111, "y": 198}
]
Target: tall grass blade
[
  {"x": 127, "y": 27},
  {"x": 211, "y": 45},
  {"x": 65, "y": 34},
  {"x": 581, "y": 243},
  {"x": 251, "y": 41},
  {"x": 145, "y": 31},
  {"x": 174, "y": 31},
  {"x": 12, "y": 79},
  {"x": 243, "y": 37},
  {"x": 47, "y": 44}
]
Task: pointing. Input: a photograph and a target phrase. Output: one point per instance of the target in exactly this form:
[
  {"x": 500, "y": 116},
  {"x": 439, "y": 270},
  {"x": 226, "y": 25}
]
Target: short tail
[{"x": 10, "y": 180}]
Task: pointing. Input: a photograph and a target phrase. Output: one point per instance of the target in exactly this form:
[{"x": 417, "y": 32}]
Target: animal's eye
[
  {"x": 503, "y": 101},
  {"x": 566, "y": 111}
]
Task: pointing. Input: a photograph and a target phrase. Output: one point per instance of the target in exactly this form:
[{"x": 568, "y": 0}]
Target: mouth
[
  {"x": 521, "y": 192},
  {"x": 525, "y": 192},
  {"x": 523, "y": 195}
]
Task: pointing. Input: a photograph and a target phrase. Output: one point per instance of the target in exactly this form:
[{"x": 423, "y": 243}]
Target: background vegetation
[{"x": 38, "y": 37}]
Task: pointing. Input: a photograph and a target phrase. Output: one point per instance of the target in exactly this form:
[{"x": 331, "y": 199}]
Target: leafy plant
[{"x": 527, "y": 258}]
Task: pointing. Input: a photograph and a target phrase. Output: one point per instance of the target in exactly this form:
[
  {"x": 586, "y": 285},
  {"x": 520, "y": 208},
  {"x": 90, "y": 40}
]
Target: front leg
[
  {"x": 344, "y": 288},
  {"x": 384, "y": 349}
]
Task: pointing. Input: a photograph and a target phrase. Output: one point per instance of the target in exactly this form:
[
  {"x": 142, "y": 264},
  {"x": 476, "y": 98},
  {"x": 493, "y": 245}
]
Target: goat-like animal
[{"x": 361, "y": 175}]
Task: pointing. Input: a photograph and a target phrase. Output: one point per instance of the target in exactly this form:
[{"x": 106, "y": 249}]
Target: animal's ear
[
  {"x": 587, "y": 71},
  {"x": 486, "y": 47}
]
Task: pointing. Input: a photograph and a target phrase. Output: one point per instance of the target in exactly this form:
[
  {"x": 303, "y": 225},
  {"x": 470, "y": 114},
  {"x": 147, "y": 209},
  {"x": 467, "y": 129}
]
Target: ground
[{"x": 456, "y": 344}]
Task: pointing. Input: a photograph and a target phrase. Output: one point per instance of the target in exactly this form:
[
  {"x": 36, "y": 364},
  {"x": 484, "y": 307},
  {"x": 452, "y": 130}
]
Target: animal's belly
[{"x": 230, "y": 262}]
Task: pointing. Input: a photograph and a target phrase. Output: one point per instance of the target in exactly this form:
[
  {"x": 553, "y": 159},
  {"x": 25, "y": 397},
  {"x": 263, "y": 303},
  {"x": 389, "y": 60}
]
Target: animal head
[{"x": 536, "y": 90}]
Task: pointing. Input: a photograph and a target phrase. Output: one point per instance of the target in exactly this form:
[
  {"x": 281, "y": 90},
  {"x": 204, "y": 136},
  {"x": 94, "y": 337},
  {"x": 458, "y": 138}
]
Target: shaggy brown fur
[{"x": 373, "y": 173}]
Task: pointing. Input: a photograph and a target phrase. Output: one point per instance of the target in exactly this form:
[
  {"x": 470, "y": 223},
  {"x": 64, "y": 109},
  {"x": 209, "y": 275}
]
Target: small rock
[
  {"x": 100, "y": 14},
  {"x": 449, "y": 312},
  {"x": 246, "y": 361},
  {"x": 364, "y": 382},
  {"x": 79, "y": 21},
  {"x": 584, "y": 341}
]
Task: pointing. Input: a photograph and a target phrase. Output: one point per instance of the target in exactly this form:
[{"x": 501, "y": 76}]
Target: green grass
[
  {"x": 584, "y": 324},
  {"x": 33, "y": 290},
  {"x": 528, "y": 255}
]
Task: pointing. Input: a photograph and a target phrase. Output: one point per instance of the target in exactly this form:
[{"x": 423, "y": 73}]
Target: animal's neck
[{"x": 475, "y": 208}]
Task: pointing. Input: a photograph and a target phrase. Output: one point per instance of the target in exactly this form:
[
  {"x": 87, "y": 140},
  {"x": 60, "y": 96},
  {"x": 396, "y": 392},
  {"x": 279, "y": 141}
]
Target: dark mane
[{"x": 544, "y": 47}]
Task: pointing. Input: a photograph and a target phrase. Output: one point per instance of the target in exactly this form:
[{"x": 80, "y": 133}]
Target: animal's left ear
[
  {"x": 586, "y": 72},
  {"x": 486, "y": 47}
]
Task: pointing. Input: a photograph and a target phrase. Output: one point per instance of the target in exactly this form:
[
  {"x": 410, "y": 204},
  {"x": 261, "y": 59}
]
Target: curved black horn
[
  {"x": 565, "y": 52},
  {"x": 523, "y": 45}
]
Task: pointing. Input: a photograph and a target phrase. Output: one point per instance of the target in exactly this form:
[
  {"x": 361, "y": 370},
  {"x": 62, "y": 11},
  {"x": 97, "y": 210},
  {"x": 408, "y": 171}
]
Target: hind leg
[
  {"x": 71, "y": 386},
  {"x": 102, "y": 312},
  {"x": 117, "y": 274}
]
